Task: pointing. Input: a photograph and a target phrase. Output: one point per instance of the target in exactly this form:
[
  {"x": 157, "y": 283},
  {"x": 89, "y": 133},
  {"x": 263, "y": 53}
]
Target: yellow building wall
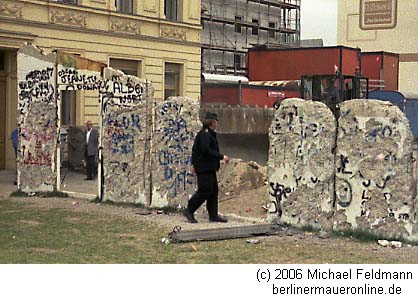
[
  {"x": 94, "y": 30},
  {"x": 402, "y": 39}
]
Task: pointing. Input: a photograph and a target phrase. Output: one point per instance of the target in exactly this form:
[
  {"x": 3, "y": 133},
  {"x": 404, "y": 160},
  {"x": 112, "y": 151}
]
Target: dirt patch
[
  {"x": 72, "y": 220},
  {"x": 238, "y": 176},
  {"x": 249, "y": 203},
  {"x": 9, "y": 211},
  {"x": 45, "y": 250},
  {"x": 128, "y": 236},
  {"x": 30, "y": 222},
  {"x": 75, "y": 231}
]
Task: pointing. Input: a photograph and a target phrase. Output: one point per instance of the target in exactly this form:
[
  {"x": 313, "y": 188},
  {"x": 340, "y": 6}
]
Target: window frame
[
  {"x": 170, "y": 15},
  {"x": 122, "y": 9},
  {"x": 254, "y": 30},
  {"x": 72, "y": 108},
  {"x": 238, "y": 27},
  {"x": 178, "y": 70},
  {"x": 71, "y": 2},
  {"x": 272, "y": 33},
  {"x": 119, "y": 62}
]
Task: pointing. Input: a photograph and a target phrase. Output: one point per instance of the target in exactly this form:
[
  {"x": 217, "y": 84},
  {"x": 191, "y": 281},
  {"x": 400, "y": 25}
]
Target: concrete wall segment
[
  {"x": 37, "y": 119},
  {"x": 126, "y": 134},
  {"x": 356, "y": 174},
  {"x": 375, "y": 183},
  {"x": 176, "y": 123},
  {"x": 301, "y": 163}
]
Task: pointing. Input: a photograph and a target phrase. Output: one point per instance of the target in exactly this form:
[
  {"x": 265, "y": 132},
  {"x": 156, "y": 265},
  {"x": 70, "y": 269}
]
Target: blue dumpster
[{"x": 407, "y": 103}]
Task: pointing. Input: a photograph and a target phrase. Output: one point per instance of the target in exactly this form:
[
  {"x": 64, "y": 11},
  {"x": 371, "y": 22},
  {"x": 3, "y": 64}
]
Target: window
[
  {"x": 254, "y": 29},
  {"x": 127, "y": 66},
  {"x": 172, "y": 80},
  {"x": 2, "y": 61},
  {"x": 238, "y": 19},
  {"x": 68, "y": 1},
  {"x": 171, "y": 10},
  {"x": 124, "y": 6},
  {"x": 68, "y": 108},
  {"x": 237, "y": 61},
  {"x": 272, "y": 33}
]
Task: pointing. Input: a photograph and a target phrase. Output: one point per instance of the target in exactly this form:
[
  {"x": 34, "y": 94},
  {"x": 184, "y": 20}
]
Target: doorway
[
  {"x": 72, "y": 149},
  {"x": 2, "y": 122}
]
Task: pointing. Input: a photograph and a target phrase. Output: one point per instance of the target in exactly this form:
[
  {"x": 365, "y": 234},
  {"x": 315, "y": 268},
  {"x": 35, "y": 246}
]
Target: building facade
[
  {"x": 154, "y": 39},
  {"x": 387, "y": 25},
  {"x": 231, "y": 27}
]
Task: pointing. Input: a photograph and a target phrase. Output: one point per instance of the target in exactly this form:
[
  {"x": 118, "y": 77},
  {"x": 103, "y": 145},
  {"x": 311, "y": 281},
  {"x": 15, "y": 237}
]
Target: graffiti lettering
[
  {"x": 343, "y": 164},
  {"x": 385, "y": 131},
  {"x": 176, "y": 133},
  {"x": 404, "y": 216},
  {"x": 364, "y": 195},
  {"x": 167, "y": 106},
  {"x": 39, "y": 154},
  {"x": 166, "y": 158},
  {"x": 343, "y": 192},
  {"x": 122, "y": 131},
  {"x": 179, "y": 180},
  {"x": 36, "y": 87},
  {"x": 382, "y": 186},
  {"x": 278, "y": 192}
]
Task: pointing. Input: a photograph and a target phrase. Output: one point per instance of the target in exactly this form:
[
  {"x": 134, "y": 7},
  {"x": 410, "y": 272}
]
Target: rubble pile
[{"x": 238, "y": 175}]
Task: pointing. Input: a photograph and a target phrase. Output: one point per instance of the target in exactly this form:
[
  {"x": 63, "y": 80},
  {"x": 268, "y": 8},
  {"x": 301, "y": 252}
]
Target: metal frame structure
[{"x": 230, "y": 28}]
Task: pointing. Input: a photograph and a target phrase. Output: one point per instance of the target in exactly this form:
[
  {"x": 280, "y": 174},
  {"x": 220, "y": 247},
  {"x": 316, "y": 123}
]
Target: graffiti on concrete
[
  {"x": 39, "y": 137},
  {"x": 126, "y": 138},
  {"x": 176, "y": 123},
  {"x": 301, "y": 146},
  {"x": 375, "y": 149},
  {"x": 371, "y": 180},
  {"x": 122, "y": 131},
  {"x": 37, "y": 86},
  {"x": 75, "y": 80},
  {"x": 279, "y": 191},
  {"x": 37, "y": 120},
  {"x": 122, "y": 90}
]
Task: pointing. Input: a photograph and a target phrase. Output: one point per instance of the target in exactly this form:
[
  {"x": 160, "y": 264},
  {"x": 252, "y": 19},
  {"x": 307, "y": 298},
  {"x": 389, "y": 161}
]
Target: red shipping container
[
  {"x": 382, "y": 68},
  {"x": 246, "y": 94},
  {"x": 292, "y": 63}
]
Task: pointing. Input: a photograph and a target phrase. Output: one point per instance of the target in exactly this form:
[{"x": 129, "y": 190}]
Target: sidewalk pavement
[
  {"x": 72, "y": 183},
  {"x": 7, "y": 177}
]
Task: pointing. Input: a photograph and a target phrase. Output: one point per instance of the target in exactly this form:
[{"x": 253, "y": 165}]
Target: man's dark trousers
[
  {"x": 207, "y": 184},
  {"x": 91, "y": 167}
]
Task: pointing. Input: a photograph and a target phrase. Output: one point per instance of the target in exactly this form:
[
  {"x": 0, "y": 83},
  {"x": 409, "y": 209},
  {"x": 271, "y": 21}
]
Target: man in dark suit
[
  {"x": 91, "y": 150},
  {"x": 206, "y": 162}
]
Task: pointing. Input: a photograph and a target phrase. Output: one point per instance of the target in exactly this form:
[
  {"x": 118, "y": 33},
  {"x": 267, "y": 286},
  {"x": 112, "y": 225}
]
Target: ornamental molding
[
  {"x": 125, "y": 26},
  {"x": 174, "y": 33},
  {"x": 10, "y": 10},
  {"x": 67, "y": 18}
]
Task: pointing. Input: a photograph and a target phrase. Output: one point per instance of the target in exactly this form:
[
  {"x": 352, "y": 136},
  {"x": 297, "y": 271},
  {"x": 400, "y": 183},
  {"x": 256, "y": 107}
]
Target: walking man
[
  {"x": 90, "y": 152},
  {"x": 206, "y": 162}
]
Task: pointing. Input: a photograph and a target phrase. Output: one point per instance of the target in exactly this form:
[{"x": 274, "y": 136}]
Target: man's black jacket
[{"x": 205, "y": 152}]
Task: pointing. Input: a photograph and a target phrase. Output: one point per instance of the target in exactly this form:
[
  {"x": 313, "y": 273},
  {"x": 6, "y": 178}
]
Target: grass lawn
[{"x": 35, "y": 234}]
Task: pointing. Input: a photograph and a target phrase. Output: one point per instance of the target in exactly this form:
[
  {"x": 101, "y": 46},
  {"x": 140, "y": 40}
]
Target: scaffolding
[{"x": 230, "y": 28}]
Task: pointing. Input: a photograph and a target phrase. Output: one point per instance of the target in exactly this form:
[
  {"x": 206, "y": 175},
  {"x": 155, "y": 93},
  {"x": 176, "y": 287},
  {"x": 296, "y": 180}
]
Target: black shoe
[
  {"x": 88, "y": 178},
  {"x": 218, "y": 218},
  {"x": 189, "y": 216}
]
